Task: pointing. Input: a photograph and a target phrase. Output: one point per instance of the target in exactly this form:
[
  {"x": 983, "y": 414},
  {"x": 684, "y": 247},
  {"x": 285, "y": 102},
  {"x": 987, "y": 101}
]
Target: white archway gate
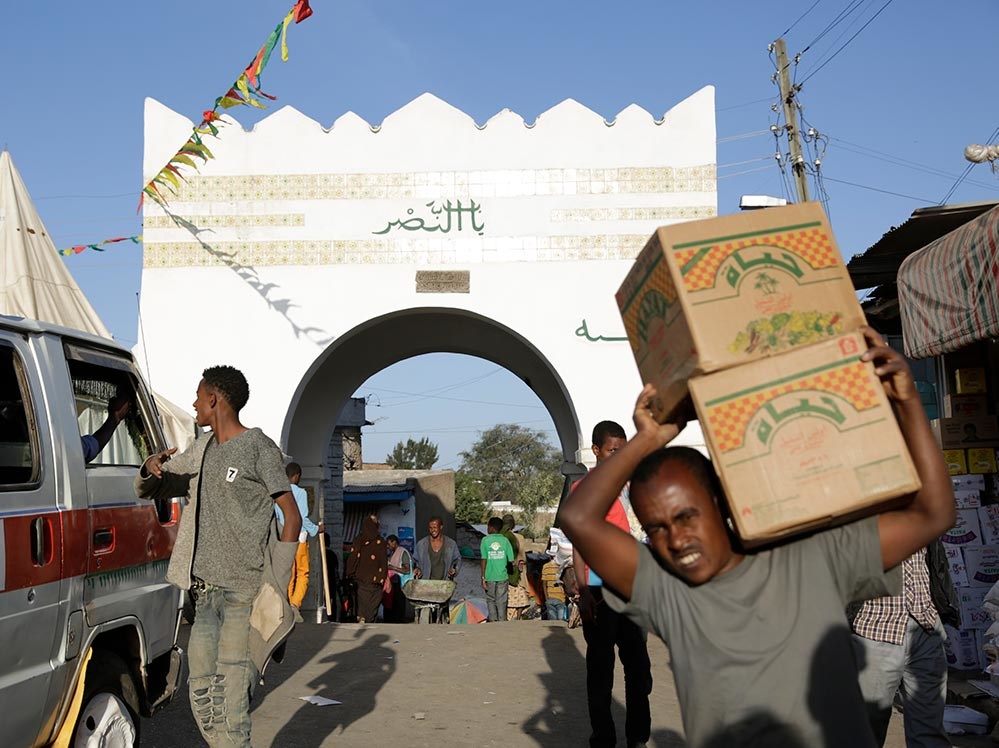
[{"x": 313, "y": 258}]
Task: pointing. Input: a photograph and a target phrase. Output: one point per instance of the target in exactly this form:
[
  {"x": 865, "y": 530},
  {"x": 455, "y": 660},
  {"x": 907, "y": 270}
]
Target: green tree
[
  {"x": 517, "y": 464},
  {"x": 412, "y": 455},
  {"x": 468, "y": 506}
]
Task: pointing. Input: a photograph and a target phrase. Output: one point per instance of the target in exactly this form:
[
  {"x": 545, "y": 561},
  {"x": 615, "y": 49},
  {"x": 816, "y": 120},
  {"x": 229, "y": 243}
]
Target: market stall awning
[{"x": 948, "y": 291}]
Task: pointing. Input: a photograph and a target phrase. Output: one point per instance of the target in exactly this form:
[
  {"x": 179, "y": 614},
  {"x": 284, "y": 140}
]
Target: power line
[
  {"x": 788, "y": 29},
  {"x": 843, "y": 14},
  {"x": 966, "y": 171},
  {"x": 878, "y": 189},
  {"x": 887, "y": 158},
  {"x": 847, "y": 43},
  {"x": 748, "y": 171},
  {"x": 742, "y": 136},
  {"x": 743, "y": 163},
  {"x": 746, "y": 103}
]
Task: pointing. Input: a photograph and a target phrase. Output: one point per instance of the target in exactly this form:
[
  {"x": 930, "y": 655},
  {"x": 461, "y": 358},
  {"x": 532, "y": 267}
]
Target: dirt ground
[{"x": 511, "y": 684}]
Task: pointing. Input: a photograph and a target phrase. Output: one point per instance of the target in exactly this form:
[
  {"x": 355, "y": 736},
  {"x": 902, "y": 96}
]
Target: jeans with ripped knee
[{"x": 222, "y": 675}]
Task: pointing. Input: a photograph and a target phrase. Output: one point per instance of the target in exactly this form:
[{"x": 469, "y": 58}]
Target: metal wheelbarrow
[{"x": 429, "y": 598}]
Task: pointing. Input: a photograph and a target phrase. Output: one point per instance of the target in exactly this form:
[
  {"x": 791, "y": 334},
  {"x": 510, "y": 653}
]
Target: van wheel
[{"x": 109, "y": 715}]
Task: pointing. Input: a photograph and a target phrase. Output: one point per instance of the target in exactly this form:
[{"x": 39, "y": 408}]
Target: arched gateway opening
[{"x": 380, "y": 342}]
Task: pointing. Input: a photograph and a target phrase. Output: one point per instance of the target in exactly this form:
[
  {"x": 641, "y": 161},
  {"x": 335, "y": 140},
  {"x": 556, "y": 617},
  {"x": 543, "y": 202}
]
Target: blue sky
[{"x": 898, "y": 103}]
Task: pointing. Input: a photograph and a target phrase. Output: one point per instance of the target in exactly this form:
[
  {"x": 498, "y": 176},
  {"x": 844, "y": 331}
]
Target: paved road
[{"x": 408, "y": 686}]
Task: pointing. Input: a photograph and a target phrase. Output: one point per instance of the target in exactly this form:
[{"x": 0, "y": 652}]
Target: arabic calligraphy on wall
[
  {"x": 583, "y": 332},
  {"x": 444, "y": 218}
]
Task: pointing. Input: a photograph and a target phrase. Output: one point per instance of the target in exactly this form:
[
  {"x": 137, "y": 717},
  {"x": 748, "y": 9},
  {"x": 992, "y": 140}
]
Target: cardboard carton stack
[
  {"x": 750, "y": 321},
  {"x": 969, "y": 437}
]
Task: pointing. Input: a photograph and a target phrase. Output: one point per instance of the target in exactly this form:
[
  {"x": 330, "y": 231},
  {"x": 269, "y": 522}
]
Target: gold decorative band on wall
[
  {"x": 392, "y": 252},
  {"x": 225, "y": 221},
  {"x": 448, "y": 184}
]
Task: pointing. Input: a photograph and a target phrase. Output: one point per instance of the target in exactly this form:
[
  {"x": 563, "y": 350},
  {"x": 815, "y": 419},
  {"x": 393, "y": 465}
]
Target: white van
[{"x": 82, "y": 560}]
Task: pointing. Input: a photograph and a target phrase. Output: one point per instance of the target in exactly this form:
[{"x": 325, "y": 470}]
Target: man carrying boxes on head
[
  {"x": 752, "y": 323},
  {"x": 760, "y": 646}
]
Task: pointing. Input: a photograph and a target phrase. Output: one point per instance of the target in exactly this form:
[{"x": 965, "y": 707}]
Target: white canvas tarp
[{"x": 35, "y": 283}]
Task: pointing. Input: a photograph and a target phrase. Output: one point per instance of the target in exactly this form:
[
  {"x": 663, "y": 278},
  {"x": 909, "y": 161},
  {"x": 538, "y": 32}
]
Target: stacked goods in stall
[
  {"x": 969, "y": 437},
  {"x": 750, "y": 322}
]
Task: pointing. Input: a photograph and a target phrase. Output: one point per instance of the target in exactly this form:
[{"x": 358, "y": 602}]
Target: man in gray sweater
[{"x": 224, "y": 552}]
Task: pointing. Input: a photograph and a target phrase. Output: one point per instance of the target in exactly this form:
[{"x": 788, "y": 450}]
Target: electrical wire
[
  {"x": 746, "y": 103},
  {"x": 843, "y": 14},
  {"x": 847, "y": 43},
  {"x": 743, "y": 163},
  {"x": 788, "y": 29},
  {"x": 887, "y": 158},
  {"x": 748, "y": 171},
  {"x": 885, "y": 192},
  {"x": 967, "y": 171},
  {"x": 742, "y": 136}
]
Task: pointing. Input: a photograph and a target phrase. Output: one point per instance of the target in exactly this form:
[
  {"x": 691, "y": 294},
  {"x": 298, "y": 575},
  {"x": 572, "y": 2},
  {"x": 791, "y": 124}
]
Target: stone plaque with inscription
[{"x": 442, "y": 281}]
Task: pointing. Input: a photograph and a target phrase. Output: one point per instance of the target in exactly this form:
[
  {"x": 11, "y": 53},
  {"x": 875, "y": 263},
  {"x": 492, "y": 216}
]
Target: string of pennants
[
  {"x": 245, "y": 91},
  {"x": 81, "y": 247}
]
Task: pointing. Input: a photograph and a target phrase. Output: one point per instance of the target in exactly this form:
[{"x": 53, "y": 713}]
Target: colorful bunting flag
[
  {"x": 245, "y": 91},
  {"x": 80, "y": 247}
]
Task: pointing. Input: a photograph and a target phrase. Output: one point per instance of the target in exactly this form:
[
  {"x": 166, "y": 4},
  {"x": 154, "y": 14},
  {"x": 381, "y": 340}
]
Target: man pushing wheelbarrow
[{"x": 435, "y": 559}]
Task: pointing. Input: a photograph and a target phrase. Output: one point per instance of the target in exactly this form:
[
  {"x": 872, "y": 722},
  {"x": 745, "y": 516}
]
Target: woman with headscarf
[{"x": 366, "y": 566}]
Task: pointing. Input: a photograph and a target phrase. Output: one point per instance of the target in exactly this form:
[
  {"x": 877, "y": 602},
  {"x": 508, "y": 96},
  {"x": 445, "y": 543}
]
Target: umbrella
[{"x": 469, "y": 610}]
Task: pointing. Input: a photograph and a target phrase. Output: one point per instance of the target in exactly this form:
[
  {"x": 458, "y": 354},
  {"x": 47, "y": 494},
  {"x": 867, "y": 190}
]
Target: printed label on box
[
  {"x": 967, "y": 499},
  {"x": 973, "y": 615},
  {"x": 961, "y": 482},
  {"x": 958, "y": 571},
  {"x": 981, "y": 461},
  {"x": 962, "y": 649},
  {"x": 982, "y": 564},
  {"x": 957, "y": 464},
  {"x": 966, "y": 530},
  {"x": 804, "y": 436},
  {"x": 988, "y": 518}
]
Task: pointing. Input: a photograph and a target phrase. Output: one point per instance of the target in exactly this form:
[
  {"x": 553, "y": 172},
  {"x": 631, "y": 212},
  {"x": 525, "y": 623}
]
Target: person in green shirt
[{"x": 497, "y": 558}]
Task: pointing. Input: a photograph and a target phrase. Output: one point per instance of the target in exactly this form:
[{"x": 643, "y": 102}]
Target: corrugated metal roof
[{"x": 879, "y": 264}]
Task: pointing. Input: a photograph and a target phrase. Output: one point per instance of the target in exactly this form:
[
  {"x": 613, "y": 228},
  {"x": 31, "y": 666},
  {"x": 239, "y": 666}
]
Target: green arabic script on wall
[{"x": 444, "y": 218}]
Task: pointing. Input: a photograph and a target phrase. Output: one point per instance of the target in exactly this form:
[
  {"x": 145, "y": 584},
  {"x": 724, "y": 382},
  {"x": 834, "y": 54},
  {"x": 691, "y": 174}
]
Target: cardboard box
[
  {"x": 982, "y": 461},
  {"x": 963, "y": 649},
  {"x": 970, "y": 381},
  {"x": 958, "y": 569},
  {"x": 964, "y": 433},
  {"x": 969, "y": 602},
  {"x": 988, "y": 520},
  {"x": 957, "y": 464},
  {"x": 968, "y": 499},
  {"x": 966, "y": 530},
  {"x": 965, "y": 406},
  {"x": 967, "y": 482},
  {"x": 704, "y": 296},
  {"x": 803, "y": 440},
  {"x": 982, "y": 564}
]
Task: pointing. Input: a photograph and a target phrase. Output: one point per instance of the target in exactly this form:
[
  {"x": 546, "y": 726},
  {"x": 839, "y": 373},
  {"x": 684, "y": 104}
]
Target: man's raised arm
[
  {"x": 609, "y": 550},
  {"x": 931, "y": 512}
]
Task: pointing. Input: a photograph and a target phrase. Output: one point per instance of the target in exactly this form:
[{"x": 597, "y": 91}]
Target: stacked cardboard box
[
  {"x": 750, "y": 321},
  {"x": 969, "y": 437}
]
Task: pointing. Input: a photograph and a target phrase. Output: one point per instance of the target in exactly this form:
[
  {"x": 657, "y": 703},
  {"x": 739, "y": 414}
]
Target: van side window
[
  {"x": 100, "y": 393},
  {"x": 18, "y": 451}
]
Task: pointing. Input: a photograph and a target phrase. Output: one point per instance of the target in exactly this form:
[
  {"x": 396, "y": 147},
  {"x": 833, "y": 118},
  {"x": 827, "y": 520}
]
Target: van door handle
[
  {"x": 38, "y": 550},
  {"x": 103, "y": 539}
]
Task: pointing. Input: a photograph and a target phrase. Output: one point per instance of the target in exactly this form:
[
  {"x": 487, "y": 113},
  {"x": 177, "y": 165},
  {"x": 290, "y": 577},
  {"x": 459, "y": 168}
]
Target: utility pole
[{"x": 787, "y": 93}]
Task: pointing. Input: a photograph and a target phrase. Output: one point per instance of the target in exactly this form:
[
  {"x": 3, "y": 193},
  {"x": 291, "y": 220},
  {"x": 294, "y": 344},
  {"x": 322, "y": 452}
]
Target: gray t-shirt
[
  {"x": 238, "y": 482},
  {"x": 762, "y": 655}
]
